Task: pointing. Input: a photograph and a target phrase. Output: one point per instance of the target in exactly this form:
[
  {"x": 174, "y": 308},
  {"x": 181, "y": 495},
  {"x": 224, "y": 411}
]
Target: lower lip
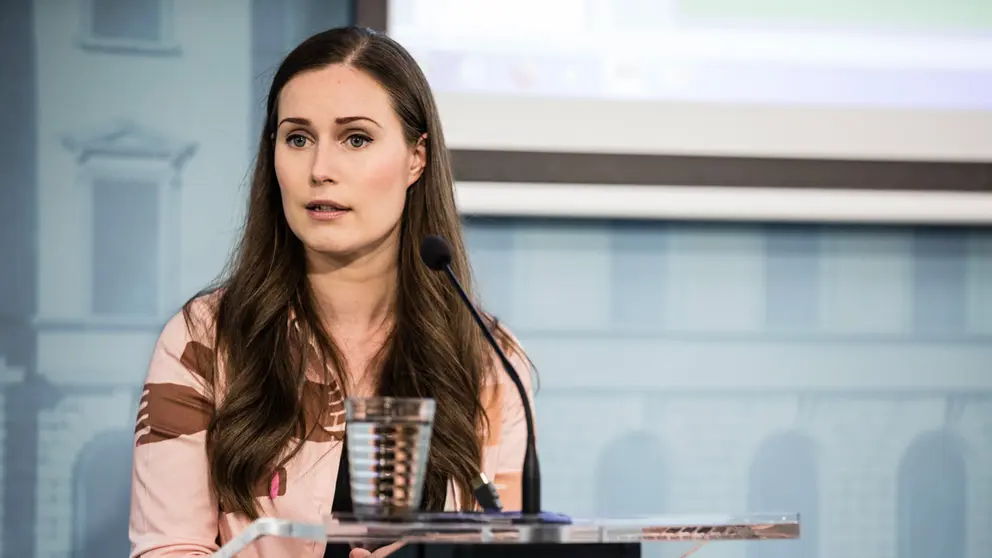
[{"x": 327, "y": 215}]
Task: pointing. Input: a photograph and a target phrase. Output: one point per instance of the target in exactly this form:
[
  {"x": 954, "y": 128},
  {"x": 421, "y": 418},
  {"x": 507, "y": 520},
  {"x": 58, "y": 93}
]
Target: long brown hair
[{"x": 264, "y": 311}]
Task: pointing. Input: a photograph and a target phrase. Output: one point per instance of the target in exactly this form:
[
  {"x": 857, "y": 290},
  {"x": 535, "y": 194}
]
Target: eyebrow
[{"x": 339, "y": 121}]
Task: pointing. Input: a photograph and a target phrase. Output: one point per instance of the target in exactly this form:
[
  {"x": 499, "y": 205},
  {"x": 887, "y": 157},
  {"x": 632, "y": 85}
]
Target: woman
[{"x": 241, "y": 415}]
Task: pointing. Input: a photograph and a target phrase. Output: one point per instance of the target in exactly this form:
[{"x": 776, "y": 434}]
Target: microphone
[{"x": 436, "y": 254}]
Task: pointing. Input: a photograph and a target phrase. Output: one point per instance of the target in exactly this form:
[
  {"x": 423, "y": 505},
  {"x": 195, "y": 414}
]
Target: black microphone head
[{"x": 435, "y": 252}]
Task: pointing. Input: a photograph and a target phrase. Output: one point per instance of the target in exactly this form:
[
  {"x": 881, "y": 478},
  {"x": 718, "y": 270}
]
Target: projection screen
[{"x": 849, "y": 110}]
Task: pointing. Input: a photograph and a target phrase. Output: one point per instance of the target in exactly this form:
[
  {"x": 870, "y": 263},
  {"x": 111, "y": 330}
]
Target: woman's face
[{"x": 342, "y": 162}]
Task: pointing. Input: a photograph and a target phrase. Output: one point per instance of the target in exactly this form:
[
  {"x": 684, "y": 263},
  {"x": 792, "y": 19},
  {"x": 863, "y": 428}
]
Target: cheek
[
  {"x": 287, "y": 175},
  {"x": 384, "y": 184},
  {"x": 293, "y": 179}
]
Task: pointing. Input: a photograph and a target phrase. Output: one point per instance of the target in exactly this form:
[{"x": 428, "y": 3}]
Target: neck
[{"x": 355, "y": 297}]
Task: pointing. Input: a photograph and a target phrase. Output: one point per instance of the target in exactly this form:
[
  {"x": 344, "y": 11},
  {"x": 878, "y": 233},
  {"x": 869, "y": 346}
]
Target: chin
[
  {"x": 341, "y": 243},
  {"x": 333, "y": 248}
]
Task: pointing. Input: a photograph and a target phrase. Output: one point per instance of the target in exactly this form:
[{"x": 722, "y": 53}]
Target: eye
[
  {"x": 358, "y": 141},
  {"x": 298, "y": 141}
]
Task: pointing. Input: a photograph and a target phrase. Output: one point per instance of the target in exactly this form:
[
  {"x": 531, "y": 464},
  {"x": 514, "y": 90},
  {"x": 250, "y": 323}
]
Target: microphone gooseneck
[{"x": 435, "y": 252}]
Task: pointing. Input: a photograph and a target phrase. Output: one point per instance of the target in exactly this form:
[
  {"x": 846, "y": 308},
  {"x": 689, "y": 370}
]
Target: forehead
[{"x": 334, "y": 91}]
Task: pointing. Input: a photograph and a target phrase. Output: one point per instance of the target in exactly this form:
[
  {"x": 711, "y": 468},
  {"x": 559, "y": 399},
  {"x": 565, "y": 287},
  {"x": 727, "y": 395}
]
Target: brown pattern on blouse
[
  {"x": 323, "y": 407},
  {"x": 169, "y": 410}
]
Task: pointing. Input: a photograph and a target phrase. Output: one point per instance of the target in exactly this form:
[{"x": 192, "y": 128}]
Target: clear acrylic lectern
[{"x": 481, "y": 529}]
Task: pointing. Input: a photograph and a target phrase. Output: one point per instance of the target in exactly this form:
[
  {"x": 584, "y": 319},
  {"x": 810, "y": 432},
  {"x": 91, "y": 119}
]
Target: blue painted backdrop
[{"x": 842, "y": 372}]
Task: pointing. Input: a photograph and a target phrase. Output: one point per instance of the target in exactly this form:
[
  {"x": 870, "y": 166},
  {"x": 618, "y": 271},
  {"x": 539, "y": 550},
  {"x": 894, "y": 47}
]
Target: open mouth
[
  {"x": 325, "y": 207},
  {"x": 326, "y": 210}
]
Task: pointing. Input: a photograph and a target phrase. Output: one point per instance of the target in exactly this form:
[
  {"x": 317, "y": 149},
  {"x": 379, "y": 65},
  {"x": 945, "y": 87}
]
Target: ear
[{"x": 418, "y": 160}]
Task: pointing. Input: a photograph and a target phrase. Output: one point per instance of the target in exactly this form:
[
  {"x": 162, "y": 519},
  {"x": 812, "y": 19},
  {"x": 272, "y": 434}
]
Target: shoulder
[
  {"x": 504, "y": 408},
  {"x": 195, "y": 320},
  {"x": 187, "y": 337},
  {"x": 177, "y": 397},
  {"x": 515, "y": 353}
]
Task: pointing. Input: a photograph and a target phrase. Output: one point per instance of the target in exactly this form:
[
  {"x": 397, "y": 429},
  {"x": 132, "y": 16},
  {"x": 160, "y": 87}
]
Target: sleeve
[
  {"x": 512, "y": 437},
  {"x": 173, "y": 510}
]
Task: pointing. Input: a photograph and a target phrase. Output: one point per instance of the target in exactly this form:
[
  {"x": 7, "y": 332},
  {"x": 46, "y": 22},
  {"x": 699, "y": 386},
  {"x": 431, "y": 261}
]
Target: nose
[{"x": 323, "y": 169}]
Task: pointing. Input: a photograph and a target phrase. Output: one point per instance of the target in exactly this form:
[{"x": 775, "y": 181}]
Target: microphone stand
[{"x": 531, "y": 475}]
